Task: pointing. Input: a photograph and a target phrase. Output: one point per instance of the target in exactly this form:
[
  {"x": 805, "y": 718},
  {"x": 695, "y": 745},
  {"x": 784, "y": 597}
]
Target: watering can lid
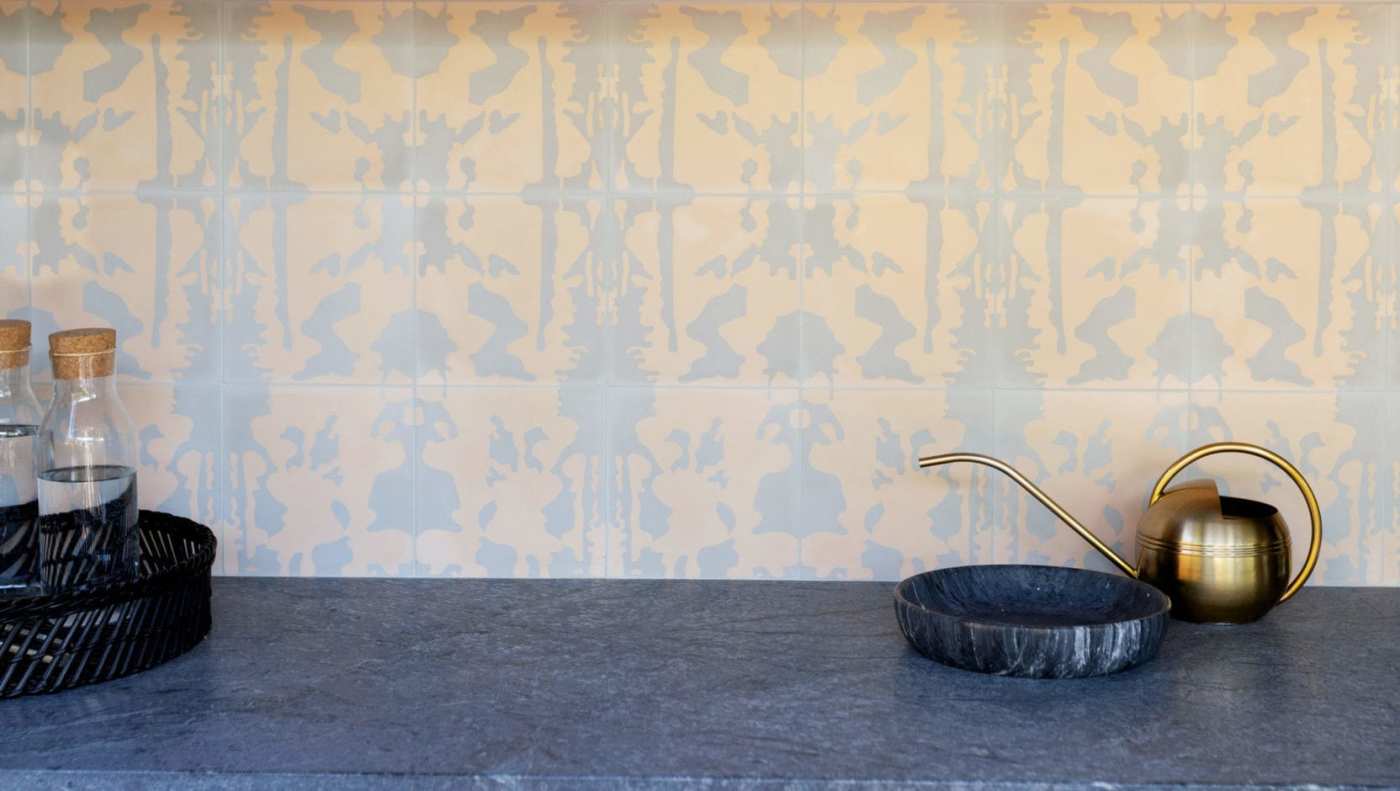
[{"x": 1195, "y": 513}]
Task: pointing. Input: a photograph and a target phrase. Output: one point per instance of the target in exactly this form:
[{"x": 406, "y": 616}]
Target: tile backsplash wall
[{"x": 683, "y": 289}]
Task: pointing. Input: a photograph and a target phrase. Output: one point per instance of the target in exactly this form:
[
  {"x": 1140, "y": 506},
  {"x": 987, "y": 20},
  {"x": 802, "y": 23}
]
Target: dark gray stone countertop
[{"x": 363, "y": 684}]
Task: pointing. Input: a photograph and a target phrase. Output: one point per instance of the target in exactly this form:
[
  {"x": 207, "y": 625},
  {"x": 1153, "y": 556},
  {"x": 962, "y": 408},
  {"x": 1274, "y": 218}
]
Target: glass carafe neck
[
  {"x": 14, "y": 380},
  {"x": 84, "y": 388},
  {"x": 17, "y": 401},
  {"x": 86, "y": 425}
]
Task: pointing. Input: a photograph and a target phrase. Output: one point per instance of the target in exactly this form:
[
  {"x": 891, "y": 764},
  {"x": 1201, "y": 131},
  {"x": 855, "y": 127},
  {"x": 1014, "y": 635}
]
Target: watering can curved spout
[{"x": 1220, "y": 559}]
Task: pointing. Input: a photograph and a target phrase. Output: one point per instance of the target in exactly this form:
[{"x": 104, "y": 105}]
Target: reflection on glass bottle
[
  {"x": 87, "y": 461},
  {"x": 19, "y": 422}
]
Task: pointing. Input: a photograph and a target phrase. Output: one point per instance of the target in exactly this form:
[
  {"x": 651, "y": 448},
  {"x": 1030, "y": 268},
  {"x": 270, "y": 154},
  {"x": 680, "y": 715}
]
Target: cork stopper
[
  {"x": 14, "y": 344},
  {"x": 80, "y": 354}
]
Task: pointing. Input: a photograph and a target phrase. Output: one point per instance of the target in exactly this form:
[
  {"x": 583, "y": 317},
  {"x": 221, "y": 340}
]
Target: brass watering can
[{"x": 1220, "y": 559}]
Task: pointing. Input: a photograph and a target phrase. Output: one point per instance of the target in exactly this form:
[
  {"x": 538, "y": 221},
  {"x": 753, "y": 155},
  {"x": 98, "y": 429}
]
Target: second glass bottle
[{"x": 87, "y": 461}]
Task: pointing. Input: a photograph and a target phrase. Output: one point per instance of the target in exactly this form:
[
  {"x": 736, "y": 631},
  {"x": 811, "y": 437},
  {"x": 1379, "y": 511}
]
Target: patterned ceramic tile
[
  {"x": 1384, "y": 542},
  {"x": 1291, "y": 98},
  {"x": 512, "y": 290},
  {"x": 899, "y": 290},
  {"x": 1290, "y": 294},
  {"x": 1389, "y": 136},
  {"x": 1099, "y": 97},
  {"x": 177, "y": 431},
  {"x": 1101, "y": 293},
  {"x": 147, "y": 267},
  {"x": 709, "y": 96},
  {"x": 319, "y": 95},
  {"x": 510, "y": 482},
  {"x": 705, "y": 482},
  {"x": 707, "y": 292},
  {"x": 124, "y": 94},
  {"x": 319, "y": 481},
  {"x": 14, "y": 92},
  {"x": 1391, "y": 292},
  {"x": 14, "y": 251},
  {"x": 1097, "y": 454},
  {"x": 901, "y": 95},
  {"x": 1338, "y": 442},
  {"x": 868, "y": 510},
  {"x": 319, "y": 289},
  {"x": 640, "y": 227},
  {"x": 511, "y": 96}
]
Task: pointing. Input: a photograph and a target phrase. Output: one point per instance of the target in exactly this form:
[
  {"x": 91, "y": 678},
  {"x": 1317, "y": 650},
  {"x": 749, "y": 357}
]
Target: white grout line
[
  {"x": 25, "y": 171},
  {"x": 1392, "y": 248},
  {"x": 1192, "y": 177},
  {"x": 801, "y": 264},
  {"x": 222, "y": 468},
  {"x": 839, "y": 387},
  {"x": 911, "y": 2},
  {"x": 614, "y": 248},
  {"x": 1001, "y": 244},
  {"x": 580, "y": 195},
  {"x": 26, "y": 165},
  {"x": 414, "y": 404}
]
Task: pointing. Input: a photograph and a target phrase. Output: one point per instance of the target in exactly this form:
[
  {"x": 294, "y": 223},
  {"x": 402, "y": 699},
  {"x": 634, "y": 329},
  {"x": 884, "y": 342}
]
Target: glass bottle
[
  {"x": 19, "y": 423},
  {"x": 87, "y": 463}
]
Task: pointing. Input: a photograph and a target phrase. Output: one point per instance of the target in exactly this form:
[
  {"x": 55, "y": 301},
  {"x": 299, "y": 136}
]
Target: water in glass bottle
[{"x": 87, "y": 461}]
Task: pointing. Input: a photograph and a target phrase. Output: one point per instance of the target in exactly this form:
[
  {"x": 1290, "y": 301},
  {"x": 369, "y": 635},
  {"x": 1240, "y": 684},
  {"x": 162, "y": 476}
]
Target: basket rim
[{"x": 197, "y": 563}]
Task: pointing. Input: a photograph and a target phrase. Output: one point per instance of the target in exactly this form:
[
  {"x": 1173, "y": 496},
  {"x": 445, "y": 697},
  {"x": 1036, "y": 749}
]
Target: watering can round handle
[{"x": 1314, "y": 545}]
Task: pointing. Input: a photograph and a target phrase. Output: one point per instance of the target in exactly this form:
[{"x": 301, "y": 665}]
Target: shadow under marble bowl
[{"x": 1032, "y": 621}]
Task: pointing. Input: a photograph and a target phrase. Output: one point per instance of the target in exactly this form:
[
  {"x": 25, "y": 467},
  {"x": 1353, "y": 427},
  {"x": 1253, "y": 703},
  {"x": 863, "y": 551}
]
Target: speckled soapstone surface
[{"x": 421, "y": 684}]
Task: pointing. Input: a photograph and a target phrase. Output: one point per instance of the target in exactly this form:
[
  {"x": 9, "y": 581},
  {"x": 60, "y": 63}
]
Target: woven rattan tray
[{"x": 49, "y": 643}]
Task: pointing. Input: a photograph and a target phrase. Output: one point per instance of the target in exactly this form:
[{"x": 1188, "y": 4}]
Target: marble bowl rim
[{"x": 1163, "y": 601}]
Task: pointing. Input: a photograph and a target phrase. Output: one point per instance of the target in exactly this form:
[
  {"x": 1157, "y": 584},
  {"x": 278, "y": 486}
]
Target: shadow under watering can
[{"x": 1220, "y": 559}]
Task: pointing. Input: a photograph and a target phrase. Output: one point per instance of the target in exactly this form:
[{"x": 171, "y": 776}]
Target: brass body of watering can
[{"x": 1220, "y": 559}]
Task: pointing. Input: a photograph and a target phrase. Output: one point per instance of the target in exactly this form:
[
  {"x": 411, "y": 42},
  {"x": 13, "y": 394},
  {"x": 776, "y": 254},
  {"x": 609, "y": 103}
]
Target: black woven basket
[{"x": 48, "y": 643}]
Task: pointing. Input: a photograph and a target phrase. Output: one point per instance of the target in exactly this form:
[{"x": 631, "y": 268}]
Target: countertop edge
[{"x": 107, "y": 780}]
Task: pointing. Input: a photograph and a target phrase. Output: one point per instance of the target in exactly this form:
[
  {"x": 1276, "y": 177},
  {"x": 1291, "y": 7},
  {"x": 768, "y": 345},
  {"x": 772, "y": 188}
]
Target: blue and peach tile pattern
[{"x": 655, "y": 288}]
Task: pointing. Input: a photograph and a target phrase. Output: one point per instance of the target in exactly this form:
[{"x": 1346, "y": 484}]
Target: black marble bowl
[{"x": 1033, "y": 621}]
